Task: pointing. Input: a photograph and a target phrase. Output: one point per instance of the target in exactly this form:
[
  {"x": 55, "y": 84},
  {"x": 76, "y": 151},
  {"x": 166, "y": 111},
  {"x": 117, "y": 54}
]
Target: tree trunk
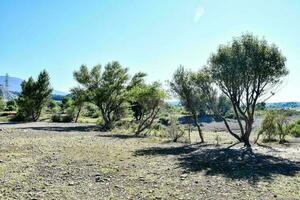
[
  {"x": 77, "y": 116},
  {"x": 246, "y": 141},
  {"x": 199, "y": 128},
  {"x": 248, "y": 130}
]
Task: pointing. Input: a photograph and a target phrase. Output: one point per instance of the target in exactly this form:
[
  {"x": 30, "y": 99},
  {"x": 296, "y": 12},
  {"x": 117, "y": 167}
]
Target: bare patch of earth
[{"x": 76, "y": 161}]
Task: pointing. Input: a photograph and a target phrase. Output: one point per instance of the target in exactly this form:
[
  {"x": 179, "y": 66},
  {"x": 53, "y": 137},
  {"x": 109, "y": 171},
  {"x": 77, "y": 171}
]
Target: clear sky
[{"x": 154, "y": 36}]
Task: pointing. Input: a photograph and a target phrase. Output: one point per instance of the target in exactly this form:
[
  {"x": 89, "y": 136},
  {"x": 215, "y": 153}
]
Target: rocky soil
[{"x": 76, "y": 161}]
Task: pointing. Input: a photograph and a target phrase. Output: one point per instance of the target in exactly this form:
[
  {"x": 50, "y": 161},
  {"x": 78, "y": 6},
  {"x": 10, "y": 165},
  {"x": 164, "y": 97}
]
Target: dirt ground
[{"x": 76, "y": 161}]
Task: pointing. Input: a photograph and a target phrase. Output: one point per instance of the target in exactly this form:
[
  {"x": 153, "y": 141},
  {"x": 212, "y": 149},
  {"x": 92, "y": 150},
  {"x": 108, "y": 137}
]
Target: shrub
[
  {"x": 18, "y": 118},
  {"x": 91, "y": 110},
  {"x": 67, "y": 118},
  {"x": 56, "y": 118},
  {"x": 174, "y": 131},
  {"x": 268, "y": 128},
  {"x": 274, "y": 124},
  {"x": 282, "y": 124},
  {"x": 164, "y": 121},
  {"x": 34, "y": 96},
  {"x": 2, "y": 104},
  {"x": 294, "y": 129},
  {"x": 11, "y": 106}
]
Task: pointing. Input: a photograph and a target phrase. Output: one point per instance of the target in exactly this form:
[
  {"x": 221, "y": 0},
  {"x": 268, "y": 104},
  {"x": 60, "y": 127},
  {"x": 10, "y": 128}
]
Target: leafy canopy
[
  {"x": 248, "y": 70},
  {"x": 34, "y": 96}
]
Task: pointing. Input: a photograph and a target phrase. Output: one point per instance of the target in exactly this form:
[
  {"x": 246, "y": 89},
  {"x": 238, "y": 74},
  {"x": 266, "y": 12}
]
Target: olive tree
[
  {"x": 146, "y": 102},
  {"x": 34, "y": 97},
  {"x": 248, "y": 71},
  {"x": 79, "y": 98},
  {"x": 192, "y": 89},
  {"x": 107, "y": 89}
]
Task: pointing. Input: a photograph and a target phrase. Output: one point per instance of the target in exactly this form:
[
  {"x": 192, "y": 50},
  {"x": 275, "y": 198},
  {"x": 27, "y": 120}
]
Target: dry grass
[{"x": 71, "y": 163}]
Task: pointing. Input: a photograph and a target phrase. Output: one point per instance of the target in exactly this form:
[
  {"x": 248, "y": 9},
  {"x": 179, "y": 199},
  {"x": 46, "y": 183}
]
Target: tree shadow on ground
[
  {"x": 120, "y": 136},
  {"x": 231, "y": 163},
  {"x": 81, "y": 128},
  {"x": 186, "y": 149}
]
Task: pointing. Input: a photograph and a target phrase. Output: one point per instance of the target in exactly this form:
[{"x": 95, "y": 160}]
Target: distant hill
[
  {"x": 277, "y": 105},
  {"x": 14, "y": 86},
  {"x": 284, "y": 105}
]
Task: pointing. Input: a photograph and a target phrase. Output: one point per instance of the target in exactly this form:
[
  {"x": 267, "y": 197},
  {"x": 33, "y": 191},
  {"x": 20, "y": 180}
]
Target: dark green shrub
[
  {"x": 2, "y": 104},
  {"x": 67, "y": 118},
  {"x": 91, "y": 110},
  {"x": 164, "y": 121},
  {"x": 62, "y": 118},
  {"x": 294, "y": 129},
  {"x": 19, "y": 117},
  {"x": 56, "y": 118},
  {"x": 11, "y": 106},
  {"x": 268, "y": 128},
  {"x": 174, "y": 131}
]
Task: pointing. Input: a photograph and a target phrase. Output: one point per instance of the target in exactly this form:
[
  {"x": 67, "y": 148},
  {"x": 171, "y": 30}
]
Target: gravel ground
[{"x": 76, "y": 161}]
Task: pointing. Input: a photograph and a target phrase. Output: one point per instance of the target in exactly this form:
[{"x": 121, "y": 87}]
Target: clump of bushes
[
  {"x": 174, "y": 131},
  {"x": 64, "y": 112},
  {"x": 276, "y": 126},
  {"x": 2, "y": 104},
  {"x": 91, "y": 110},
  {"x": 11, "y": 106},
  {"x": 294, "y": 128},
  {"x": 268, "y": 128},
  {"x": 58, "y": 117}
]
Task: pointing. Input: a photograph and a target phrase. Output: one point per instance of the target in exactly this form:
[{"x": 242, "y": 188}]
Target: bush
[
  {"x": 2, "y": 104},
  {"x": 174, "y": 131},
  {"x": 67, "y": 118},
  {"x": 274, "y": 124},
  {"x": 164, "y": 121},
  {"x": 11, "y": 106},
  {"x": 268, "y": 128},
  {"x": 62, "y": 118},
  {"x": 56, "y": 118},
  {"x": 294, "y": 129},
  {"x": 19, "y": 117},
  {"x": 91, "y": 110}
]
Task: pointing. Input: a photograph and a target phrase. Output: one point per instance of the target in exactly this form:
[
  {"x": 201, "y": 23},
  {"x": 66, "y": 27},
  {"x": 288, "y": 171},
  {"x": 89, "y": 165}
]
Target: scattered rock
[
  {"x": 71, "y": 183},
  {"x": 183, "y": 176}
]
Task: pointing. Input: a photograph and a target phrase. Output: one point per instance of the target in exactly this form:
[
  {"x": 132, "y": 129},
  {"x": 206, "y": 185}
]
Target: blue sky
[{"x": 154, "y": 36}]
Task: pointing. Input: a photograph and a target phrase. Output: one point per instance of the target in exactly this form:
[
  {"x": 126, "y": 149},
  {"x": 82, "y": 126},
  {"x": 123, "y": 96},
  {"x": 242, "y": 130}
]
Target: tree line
[{"x": 239, "y": 75}]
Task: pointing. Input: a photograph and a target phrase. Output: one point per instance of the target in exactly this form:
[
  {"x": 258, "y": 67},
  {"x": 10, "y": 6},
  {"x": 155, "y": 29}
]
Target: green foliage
[
  {"x": 189, "y": 87},
  {"x": 66, "y": 103},
  {"x": 53, "y": 106},
  {"x": 34, "y": 96},
  {"x": 11, "y": 106},
  {"x": 268, "y": 127},
  {"x": 174, "y": 131},
  {"x": 91, "y": 110},
  {"x": 294, "y": 129},
  {"x": 56, "y": 117},
  {"x": 274, "y": 124},
  {"x": 2, "y": 104},
  {"x": 107, "y": 89},
  {"x": 59, "y": 117},
  {"x": 224, "y": 105},
  {"x": 194, "y": 91},
  {"x": 247, "y": 70},
  {"x": 79, "y": 98},
  {"x": 261, "y": 106},
  {"x": 146, "y": 101}
]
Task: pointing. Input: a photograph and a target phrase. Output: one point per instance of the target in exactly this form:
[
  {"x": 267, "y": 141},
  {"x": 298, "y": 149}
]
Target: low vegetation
[{"x": 231, "y": 91}]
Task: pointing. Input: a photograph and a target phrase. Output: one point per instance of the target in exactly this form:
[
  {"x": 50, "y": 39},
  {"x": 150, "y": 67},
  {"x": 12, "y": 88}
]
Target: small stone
[
  {"x": 183, "y": 176},
  {"x": 71, "y": 183}
]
